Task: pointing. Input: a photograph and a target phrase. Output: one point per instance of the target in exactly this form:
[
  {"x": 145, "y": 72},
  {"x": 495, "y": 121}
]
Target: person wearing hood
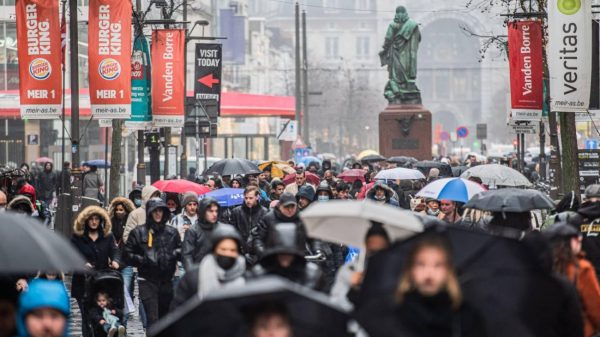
[
  {"x": 305, "y": 196},
  {"x": 570, "y": 262},
  {"x": 590, "y": 229},
  {"x": 44, "y": 310},
  {"x": 20, "y": 204},
  {"x": 324, "y": 192},
  {"x": 93, "y": 238},
  {"x": 196, "y": 241},
  {"x": 174, "y": 204},
  {"x": 382, "y": 193},
  {"x": 136, "y": 196},
  {"x": 138, "y": 216},
  {"x": 224, "y": 267},
  {"x": 48, "y": 183},
  {"x": 237, "y": 182},
  {"x": 246, "y": 216},
  {"x": 118, "y": 211},
  {"x": 284, "y": 256},
  {"x": 154, "y": 248}
]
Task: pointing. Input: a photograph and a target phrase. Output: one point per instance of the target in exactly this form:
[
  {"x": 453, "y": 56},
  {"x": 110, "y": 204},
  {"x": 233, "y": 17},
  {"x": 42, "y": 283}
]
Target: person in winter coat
[
  {"x": 570, "y": 261},
  {"x": 138, "y": 216},
  {"x": 305, "y": 196},
  {"x": 590, "y": 229},
  {"x": 174, "y": 204},
  {"x": 118, "y": 211},
  {"x": 324, "y": 192},
  {"x": 20, "y": 204},
  {"x": 93, "y": 238},
  {"x": 189, "y": 213},
  {"x": 44, "y": 310},
  {"x": 300, "y": 181},
  {"x": 246, "y": 216},
  {"x": 105, "y": 316},
  {"x": 383, "y": 194},
  {"x": 196, "y": 241},
  {"x": 93, "y": 186},
  {"x": 284, "y": 256},
  {"x": 136, "y": 196},
  {"x": 449, "y": 212},
  {"x": 64, "y": 179},
  {"x": 223, "y": 267},
  {"x": 48, "y": 183},
  {"x": 154, "y": 248}
]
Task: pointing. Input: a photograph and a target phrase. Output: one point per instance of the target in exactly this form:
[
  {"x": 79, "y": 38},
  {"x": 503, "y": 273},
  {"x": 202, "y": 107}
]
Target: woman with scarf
[{"x": 225, "y": 267}]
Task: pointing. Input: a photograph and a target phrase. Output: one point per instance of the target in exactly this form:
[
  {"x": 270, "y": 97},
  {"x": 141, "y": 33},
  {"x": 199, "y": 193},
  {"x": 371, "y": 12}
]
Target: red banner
[
  {"x": 109, "y": 52},
  {"x": 168, "y": 85},
  {"x": 40, "y": 76},
  {"x": 526, "y": 70}
]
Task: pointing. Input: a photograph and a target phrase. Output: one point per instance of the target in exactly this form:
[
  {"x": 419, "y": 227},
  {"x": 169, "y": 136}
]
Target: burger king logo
[
  {"x": 109, "y": 69},
  {"x": 40, "y": 69}
]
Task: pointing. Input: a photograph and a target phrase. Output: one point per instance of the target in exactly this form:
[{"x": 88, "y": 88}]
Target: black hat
[
  {"x": 225, "y": 231},
  {"x": 287, "y": 199}
]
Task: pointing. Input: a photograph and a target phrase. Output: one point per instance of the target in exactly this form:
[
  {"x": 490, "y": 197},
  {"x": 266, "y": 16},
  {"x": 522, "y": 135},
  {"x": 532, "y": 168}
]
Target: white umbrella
[
  {"x": 497, "y": 175},
  {"x": 456, "y": 189},
  {"x": 347, "y": 221},
  {"x": 400, "y": 173}
]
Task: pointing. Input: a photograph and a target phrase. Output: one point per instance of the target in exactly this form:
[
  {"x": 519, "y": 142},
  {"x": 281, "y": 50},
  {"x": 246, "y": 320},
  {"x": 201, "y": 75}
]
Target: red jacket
[{"x": 584, "y": 278}]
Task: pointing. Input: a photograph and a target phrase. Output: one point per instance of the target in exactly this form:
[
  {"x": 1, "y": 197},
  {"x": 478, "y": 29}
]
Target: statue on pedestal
[{"x": 399, "y": 54}]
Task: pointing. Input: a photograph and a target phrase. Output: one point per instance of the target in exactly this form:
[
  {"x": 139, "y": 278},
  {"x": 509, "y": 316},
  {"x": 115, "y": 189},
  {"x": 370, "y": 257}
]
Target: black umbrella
[
  {"x": 512, "y": 200},
  {"x": 426, "y": 165},
  {"x": 402, "y": 160},
  {"x": 225, "y": 312},
  {"x": 232, "y": 167},
  {"x": 372, "y": 158},
  {"x": 27, "y": 247},
  {"x": 458, "y": 170},
  {"x": 508, "y": 282}
]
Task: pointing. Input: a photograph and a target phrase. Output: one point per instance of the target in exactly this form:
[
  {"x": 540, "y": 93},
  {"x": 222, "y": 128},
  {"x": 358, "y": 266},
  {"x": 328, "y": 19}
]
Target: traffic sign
[
  {"x": 462, "y": 132},
  {"x": 591, "y": 144},
  {"x": 445, "y": 136}
]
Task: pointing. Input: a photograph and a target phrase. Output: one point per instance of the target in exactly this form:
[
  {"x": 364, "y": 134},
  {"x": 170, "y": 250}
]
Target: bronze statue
[{"x": 399, "y": 54}]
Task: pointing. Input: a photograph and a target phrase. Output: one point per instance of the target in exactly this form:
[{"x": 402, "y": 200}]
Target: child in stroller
[{"x": 106, "y": 315}]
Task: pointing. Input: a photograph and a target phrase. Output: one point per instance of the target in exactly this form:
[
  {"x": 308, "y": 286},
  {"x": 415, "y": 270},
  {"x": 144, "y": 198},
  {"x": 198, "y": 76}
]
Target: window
[
  {"x": 12, "y": 58},
  {"x": 362, "y": 47},
  {"x": 362, "y": 5},
  {"x": 331, "y": 47}
]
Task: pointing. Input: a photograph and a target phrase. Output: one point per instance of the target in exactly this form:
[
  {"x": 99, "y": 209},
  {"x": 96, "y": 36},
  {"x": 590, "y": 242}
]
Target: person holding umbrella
[
  {"x": 449, "y": 212},
  {"x": 224, "y": 267},
  {"x": 196, "y": 241}
]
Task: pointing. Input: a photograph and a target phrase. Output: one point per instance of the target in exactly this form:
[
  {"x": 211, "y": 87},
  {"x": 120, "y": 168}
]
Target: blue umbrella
[
  {"x": 99, "y": 163},
  {"x": 227, "y": 197},
  {"x": 307, "y": 160},
  {"x": 456, "y": 189}
]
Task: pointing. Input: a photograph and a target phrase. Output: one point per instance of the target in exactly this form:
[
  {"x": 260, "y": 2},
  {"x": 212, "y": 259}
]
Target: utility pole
[
  {"x": 298, "y": 68},
  {"x": 141, "y": 165},
  {"x": 305, "y": 131},
  {"x": 76, "y": 184}
]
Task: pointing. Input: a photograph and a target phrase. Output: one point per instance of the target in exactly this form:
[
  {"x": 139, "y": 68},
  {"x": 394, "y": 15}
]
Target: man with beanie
[
  {"x": 196, "y": 241},
  {"x": 188, "y": 215},
  {"x": 154, "y": 248},
  {"x": 44, "y": 310}
]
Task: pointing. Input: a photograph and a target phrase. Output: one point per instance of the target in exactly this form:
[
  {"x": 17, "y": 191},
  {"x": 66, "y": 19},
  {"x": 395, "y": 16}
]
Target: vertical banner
[
  {"x": 141, "y": 116},
  {"x": 109, "y": 39},
  {"x": 570, "y": 54},
  {"x": 208, "y": 68},
  {"x": 168, "y": 85},
  {"x": 526, "y": 70},
  {"x": 40, "y": 76}
]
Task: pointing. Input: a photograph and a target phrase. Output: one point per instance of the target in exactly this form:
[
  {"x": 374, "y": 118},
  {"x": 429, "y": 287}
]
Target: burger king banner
[
  {"x": 526, "y": 70},
  {"x": 109, "y": 55},
  {"x": 168, "y": 85},
  {"x": 39, "y": 48},
  {"x": 570, "y": 54}
]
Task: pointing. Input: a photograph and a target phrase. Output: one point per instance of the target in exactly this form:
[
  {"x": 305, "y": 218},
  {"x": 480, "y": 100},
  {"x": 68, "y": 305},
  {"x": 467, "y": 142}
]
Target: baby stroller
[{"x": 107, "y": 281}]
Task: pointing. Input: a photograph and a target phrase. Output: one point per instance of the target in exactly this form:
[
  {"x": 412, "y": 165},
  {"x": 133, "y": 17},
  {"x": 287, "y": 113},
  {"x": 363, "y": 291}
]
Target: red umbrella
[
  {"x": 311, "y": 177},
  {"x": 180, "y": 186},
  {"x": 43, "y": 160},
  {"x": 352, "y": 175}
]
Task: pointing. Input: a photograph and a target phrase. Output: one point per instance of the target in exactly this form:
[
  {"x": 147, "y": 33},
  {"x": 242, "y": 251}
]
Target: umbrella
[
  {"x": 43, "y": 160},
  {"x": 402, "y": 160},
  {"x": 180, "y": 186},
  {"x": 456, "y": 189},
  {"x": 224, "y": 312},
  {"x": 497, "y": 175},
  {"x": 99, "y": 163},
  {"x": 232, "y": 167},
  {"x": 352, "y": 175},
  {"x": 400, "y": 173},
  {"x": 328, "y": 156},
  {"x": 426, "y": 165},
  {"x": 372, "y": 158},
  {"x": 278, "y": 168},
  {"x": 504, "y": 280},
  {"x": 310, "y": 177},
  {"x": 28, "y": 246},
  {"x": 366, "y": 153},
  {"x": 347, "y": 221},
  {"x": 510, "y": 200},
  {"x": 227, "y": 197},
  {"x": 307, "y": 160}
]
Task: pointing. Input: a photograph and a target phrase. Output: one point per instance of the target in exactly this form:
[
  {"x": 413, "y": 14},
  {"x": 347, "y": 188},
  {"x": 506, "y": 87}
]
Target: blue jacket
[{"x": 42, "y": 294}]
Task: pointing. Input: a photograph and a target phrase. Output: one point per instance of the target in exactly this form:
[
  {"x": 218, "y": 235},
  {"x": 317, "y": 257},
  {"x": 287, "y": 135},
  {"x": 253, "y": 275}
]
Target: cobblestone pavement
[{"x": 134, "y": 325}]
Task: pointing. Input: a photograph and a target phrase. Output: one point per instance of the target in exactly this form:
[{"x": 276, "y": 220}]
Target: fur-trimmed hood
[
  {"x": 20, "y": 199},
  {"x": 86, "y": 213},
  {"x": 128, "y": 204}
]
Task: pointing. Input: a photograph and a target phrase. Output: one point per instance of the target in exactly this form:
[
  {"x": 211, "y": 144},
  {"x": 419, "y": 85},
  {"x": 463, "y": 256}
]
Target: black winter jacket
[
  {"x": 196, "y": 242},
  {"x": 301, "y": 272},
  {"x": 259, "y": 233},
  {"x": 97, "y": 253},
  {"x": 245, "y": 219},
  {"x": 590, "y": 230}
]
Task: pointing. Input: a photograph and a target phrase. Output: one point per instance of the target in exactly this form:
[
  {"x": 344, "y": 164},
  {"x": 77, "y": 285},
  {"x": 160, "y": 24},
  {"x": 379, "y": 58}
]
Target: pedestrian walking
[
  {"x": 138, "y": 216},
  {"x": 93, "y": 186},
  {"x": 383, "y": 194},
  {"x": 188, "y": 215},
  {"x": 48, "y": 184},
  {"x": 64, "y": 179},
  {"x": 246, "y": 216},
  {"x": 299, "y": 181},
  {"x": 118, "y": 211},
  {"x": 449, "y": 212},
  {"x": 154, "y": 249},
  {"x": 196, "y": 241},
  {"x": 224, "y": 267}
]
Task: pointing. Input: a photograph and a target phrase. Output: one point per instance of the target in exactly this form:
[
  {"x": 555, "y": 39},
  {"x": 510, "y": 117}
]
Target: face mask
[
  {"x": 172, "y": 209},
  {"x": 225, "y": 262},
  {"x": 137, "y": 202},
  {"x": 380, "y": 198},
  {"x": 323, "y": 198},
  {"x": 434, "y": 213}
]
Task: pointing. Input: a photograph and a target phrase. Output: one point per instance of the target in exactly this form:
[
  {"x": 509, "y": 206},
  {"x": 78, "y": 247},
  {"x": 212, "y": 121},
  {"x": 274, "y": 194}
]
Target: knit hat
[
  {"x": 42, "y": 294},
  {"x": 188, "y": 197},
  {"x": 306, "y": 192}
]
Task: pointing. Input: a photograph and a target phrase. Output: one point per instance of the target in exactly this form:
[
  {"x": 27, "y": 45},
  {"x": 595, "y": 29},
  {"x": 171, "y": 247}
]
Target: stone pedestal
[{"x": 405, "y": 130}]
